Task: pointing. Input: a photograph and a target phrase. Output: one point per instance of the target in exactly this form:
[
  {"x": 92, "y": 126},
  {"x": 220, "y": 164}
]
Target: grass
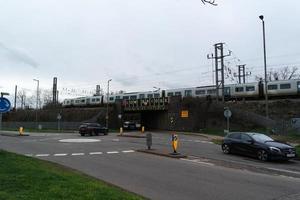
[
  {"x": 29, "y": 178},
  {"x": 211, "y": 131}
]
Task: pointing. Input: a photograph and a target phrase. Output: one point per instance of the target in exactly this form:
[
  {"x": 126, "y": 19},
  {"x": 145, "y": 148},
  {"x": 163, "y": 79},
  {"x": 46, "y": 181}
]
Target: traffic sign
[
  {"x": 4, "y": 105},
  {"x": 227, "y": 113}
]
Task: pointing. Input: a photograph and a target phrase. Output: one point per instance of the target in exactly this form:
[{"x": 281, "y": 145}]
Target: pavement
[{"x": 205, "y": 173}]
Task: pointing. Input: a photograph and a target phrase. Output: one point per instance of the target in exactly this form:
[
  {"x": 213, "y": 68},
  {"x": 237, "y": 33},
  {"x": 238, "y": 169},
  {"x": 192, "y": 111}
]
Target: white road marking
[
  {"x": 41, "y": 155},
  {"x": 112, "y": 152},
  {"x": 284, "y": 170},
  {"x": 60, "y": 154},
  {"x": 116, "y": 140},
  {"x": 81, "y": 140},
  {"x": 95, "y": 153},
  {"x": 197, "y": 161},
  {"x": 77, "y": 154},
  {"x": 128, "y": 151}
]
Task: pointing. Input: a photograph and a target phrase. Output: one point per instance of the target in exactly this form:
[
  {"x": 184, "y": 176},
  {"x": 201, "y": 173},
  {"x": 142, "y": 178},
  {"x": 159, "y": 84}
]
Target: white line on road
[
  {"x": 284, "y": 170},
  {"x": 116, "y": 140},
  {"x": 197, "y": 161},
  {"x": 60, "y": 154},
  {"x": 41, "y": 155},
  {"x": 112, "y": 152},
  {"x": 77, "y": 154},
  {"x": 95, "y": 153},
  {"x": 128, "y": 151}
]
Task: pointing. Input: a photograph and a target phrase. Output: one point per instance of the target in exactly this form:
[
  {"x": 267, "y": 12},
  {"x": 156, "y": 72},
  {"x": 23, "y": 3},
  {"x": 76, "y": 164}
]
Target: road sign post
[
  {"x": 227, "y": 114},
  {"x": 4, "y": 107}
]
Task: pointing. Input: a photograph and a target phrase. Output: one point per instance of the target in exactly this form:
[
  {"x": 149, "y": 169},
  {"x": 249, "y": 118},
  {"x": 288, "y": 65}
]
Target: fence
[{"x": 41, "y": 125}]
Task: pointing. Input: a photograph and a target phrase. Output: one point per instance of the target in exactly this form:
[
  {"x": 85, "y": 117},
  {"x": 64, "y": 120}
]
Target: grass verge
[{"x": 29, "y": 178}]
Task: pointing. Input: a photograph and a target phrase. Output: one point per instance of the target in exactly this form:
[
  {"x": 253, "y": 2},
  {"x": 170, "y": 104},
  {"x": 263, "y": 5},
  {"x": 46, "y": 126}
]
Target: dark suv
[{"x": 92, "y": 129}]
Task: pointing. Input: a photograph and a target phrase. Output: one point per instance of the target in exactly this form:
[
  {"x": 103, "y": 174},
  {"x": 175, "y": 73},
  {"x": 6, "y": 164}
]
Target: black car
[
  {"x": 92, "y": 129},
  {"x": 131, "y": 125},
  {"x": 257, "y": 145}
]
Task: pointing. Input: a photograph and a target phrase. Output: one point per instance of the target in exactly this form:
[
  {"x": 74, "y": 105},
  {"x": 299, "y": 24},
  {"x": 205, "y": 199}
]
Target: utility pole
[
  {"x": 37, "y": 102},
  {"x": 261, "y": 17},
  {"x": 54, "y": 91},
  {"x": 219, "y": 68},
  {"x": 107, "y": 102},
  {"x": 15, "y": 105},
  {"x": 242, "y": 74}
]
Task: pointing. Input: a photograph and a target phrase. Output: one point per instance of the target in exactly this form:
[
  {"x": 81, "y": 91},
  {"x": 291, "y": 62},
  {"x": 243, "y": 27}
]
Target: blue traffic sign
[{"x": 4, "y": 105}]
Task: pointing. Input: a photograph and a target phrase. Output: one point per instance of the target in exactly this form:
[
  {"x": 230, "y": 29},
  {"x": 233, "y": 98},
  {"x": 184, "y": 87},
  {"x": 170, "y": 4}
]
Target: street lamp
[
  {"x": 37, "y": 101},
  {"x": 261, "y": 17},
  {"x": 107, "y": 99}
]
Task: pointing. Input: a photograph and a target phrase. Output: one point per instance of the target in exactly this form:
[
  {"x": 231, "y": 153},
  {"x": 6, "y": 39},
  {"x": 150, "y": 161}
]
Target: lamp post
[
  {"x": 261, "y": 17},
  {"x": 37, "y": 101},
  {"x": 107, "y": 99}
]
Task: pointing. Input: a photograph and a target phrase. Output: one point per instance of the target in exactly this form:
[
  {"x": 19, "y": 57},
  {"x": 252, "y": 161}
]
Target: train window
[
  {"x": 77, "y": 101},
  {"x": 150, "y": 96},
  {"x": 211, "y": 91},
  {"x": 118, "y": 97},
  {"x": 188, "y": 93},
  {"x": 239, "y": 89},
  {"x": 111, "y": 98},
  {"x": 285, "y": 86},
  {"x": 250, "y": 88},
  {"x": 126, "y": 97},
  {"x": 170, "y": 94},
  {"x": 177, "y": 93},
  {"x": 83, "y": 100},
  {"x": 156, "y": 95},
  {"x": 93, "y": 100},
  {"x": 133, "y": 97},
  {"x": 272, "y": 87},
  {"x": 141, "y": 96},
  {"x": 199, "y": 92},
  {"x": 97, "y": 99},
  {"x": 72, "y": 101}
]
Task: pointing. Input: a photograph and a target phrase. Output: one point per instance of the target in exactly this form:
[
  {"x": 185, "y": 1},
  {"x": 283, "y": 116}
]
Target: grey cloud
[{"x": 19, "y": 55}]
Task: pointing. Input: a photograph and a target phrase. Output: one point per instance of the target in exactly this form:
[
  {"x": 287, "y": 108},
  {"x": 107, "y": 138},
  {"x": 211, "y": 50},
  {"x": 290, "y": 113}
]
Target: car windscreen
[{"x": 261, "y": 138}]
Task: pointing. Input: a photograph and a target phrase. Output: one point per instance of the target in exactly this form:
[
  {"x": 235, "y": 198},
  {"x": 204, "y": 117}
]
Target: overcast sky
[{"x": 139, "y": 44}]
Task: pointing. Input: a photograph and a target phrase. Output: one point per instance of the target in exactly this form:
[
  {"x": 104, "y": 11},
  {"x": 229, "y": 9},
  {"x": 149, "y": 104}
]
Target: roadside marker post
[
  {"x": 121, "y": 130},
  {"x": 143, "y": 129},
  {"x": 174, "y": 143},
  {"x": 21, "y": 130}
]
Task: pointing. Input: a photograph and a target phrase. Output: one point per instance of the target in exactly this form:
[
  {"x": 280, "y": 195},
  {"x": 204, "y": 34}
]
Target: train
[{"x": 255, "y": 90}]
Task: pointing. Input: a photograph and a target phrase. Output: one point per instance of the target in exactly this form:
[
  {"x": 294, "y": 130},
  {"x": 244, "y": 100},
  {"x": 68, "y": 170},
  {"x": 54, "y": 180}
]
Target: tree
[
  {"x": 284, "y": 73},
  {"x": 212, "y": 2}
]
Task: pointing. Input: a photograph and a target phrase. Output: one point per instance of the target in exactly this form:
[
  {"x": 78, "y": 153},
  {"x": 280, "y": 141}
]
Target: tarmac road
[{"x": 205, "y": 174}]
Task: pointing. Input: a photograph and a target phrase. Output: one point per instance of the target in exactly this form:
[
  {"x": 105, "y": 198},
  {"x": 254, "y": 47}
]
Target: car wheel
[
  {"x": 226, "y": 148},
  {"x": 262, "y": 155}
]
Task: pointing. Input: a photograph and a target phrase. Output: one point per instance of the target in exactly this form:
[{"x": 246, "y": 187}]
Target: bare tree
[
  {"x": 285, "y": 73},
  {"x": 212, "y": 2},
  {"x": 21, "y": 97}
]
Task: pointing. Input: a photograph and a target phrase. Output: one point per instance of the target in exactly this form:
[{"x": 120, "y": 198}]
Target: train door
[
  {"x": 298, "y": 87},
  {"x": 260, "y": 89},
  {"x": 227, "y": 92},
  {"x": 88, "y": 100}
]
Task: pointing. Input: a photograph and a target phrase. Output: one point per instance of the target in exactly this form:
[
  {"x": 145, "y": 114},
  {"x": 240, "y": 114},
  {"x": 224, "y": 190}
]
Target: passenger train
[{"x": 256, "y": 90}]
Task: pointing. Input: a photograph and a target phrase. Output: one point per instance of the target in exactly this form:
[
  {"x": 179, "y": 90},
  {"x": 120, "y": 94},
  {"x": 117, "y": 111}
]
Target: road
[{"x": 205, "y": 174}]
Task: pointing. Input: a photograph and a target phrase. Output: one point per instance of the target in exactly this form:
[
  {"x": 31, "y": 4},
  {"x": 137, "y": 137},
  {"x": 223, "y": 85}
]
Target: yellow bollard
[
  {"x": 121, "y": 130},
  {"x": 21, "y": 130},
  {"x": 143, "y": 129},
  {"x": 174, "y": 143}
]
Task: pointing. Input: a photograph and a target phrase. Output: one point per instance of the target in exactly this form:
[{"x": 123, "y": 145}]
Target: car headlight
[{"x": 275, "y": 149}]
